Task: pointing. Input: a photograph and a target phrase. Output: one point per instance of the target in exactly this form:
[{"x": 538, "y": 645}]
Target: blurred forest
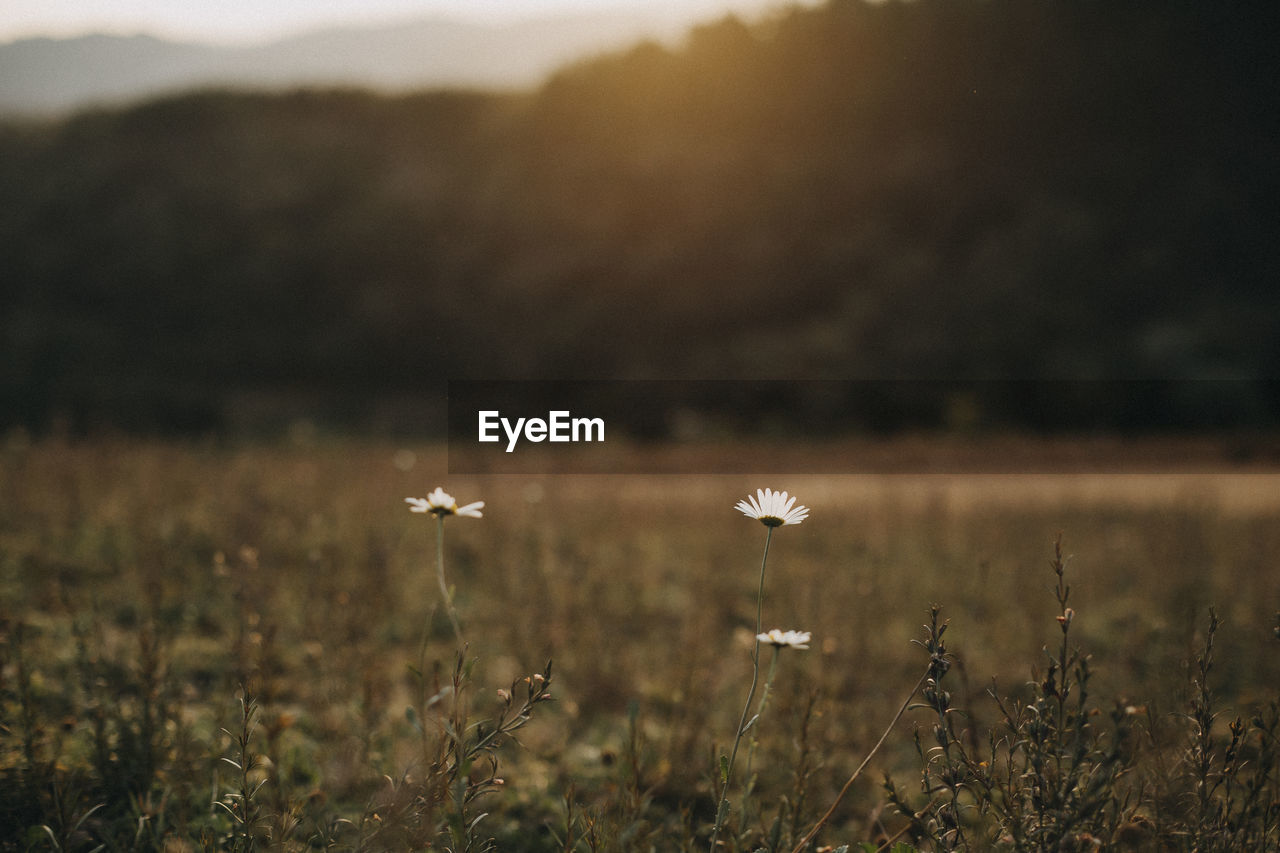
[{"x": 935, "y": 189}]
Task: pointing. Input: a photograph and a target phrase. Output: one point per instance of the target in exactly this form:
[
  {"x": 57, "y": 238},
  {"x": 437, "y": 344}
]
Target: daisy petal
[
  {"x": 440, "y": 503},
  {"x": 773, "y": 509}
]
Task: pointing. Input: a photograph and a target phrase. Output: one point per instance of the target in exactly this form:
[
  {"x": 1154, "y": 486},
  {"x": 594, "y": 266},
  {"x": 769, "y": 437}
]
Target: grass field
[{"x": 146, "y": 590}]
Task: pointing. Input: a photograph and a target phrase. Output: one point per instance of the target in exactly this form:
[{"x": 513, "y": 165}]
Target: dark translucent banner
[{"x": 731, "y": 426}]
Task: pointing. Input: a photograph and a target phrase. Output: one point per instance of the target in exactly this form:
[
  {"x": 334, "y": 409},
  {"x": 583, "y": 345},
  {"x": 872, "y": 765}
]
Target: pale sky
[{"x": 263, "y": 20}]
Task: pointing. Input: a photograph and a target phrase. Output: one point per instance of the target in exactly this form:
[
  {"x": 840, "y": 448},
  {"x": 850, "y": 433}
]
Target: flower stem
[
  {"x": 755, "y": 741},
  {"x": 444, "y": 588},
  {"x": 746, "y": 708}
]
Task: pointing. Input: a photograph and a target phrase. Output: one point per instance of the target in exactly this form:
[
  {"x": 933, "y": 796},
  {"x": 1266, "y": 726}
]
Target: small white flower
[
  {"x": 792, "y": 639},
  {"x": 773, "y": 509},
  {"x": 441, "y": 503}
]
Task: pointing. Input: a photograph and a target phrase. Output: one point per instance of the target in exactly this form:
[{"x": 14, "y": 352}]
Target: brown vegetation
[{"x": 144, "y": 587}]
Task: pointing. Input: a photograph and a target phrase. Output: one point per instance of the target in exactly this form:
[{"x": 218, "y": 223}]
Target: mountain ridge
[{"x": 49, "y": 75}]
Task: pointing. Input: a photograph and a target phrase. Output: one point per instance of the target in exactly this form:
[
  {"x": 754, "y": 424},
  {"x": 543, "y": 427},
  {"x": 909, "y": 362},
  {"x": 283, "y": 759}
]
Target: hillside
[
  {"x": 935, "y": 189},
  {"x": 44, "y": 76}
]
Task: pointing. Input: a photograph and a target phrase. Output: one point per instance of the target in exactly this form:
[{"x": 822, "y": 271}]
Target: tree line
[{"x": 927, "y": 190}]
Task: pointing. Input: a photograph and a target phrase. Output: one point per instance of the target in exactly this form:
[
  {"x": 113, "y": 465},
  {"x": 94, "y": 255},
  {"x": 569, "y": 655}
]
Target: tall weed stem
[{"x": 822, "y": 821}]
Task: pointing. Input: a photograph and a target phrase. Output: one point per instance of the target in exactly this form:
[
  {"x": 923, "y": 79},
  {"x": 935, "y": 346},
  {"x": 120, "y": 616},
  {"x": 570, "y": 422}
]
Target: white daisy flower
[
  {"x": 441, "y": 503},
  {"x": 773, "y": 509},
  {"x": 791, "y": 639}
]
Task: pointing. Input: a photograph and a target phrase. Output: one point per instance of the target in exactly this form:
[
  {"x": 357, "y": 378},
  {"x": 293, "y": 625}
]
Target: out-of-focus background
[
  {"x": 244, "y": 258},
  {"x": 232, "y": 233}
]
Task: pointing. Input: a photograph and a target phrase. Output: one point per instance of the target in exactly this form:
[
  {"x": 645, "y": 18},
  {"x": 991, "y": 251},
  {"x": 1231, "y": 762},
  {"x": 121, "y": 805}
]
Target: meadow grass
[{"x": 183, "y": 626}]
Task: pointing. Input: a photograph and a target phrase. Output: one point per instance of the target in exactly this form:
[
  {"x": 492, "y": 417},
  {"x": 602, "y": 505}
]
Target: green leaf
[{"x": 412, "y": 716}]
